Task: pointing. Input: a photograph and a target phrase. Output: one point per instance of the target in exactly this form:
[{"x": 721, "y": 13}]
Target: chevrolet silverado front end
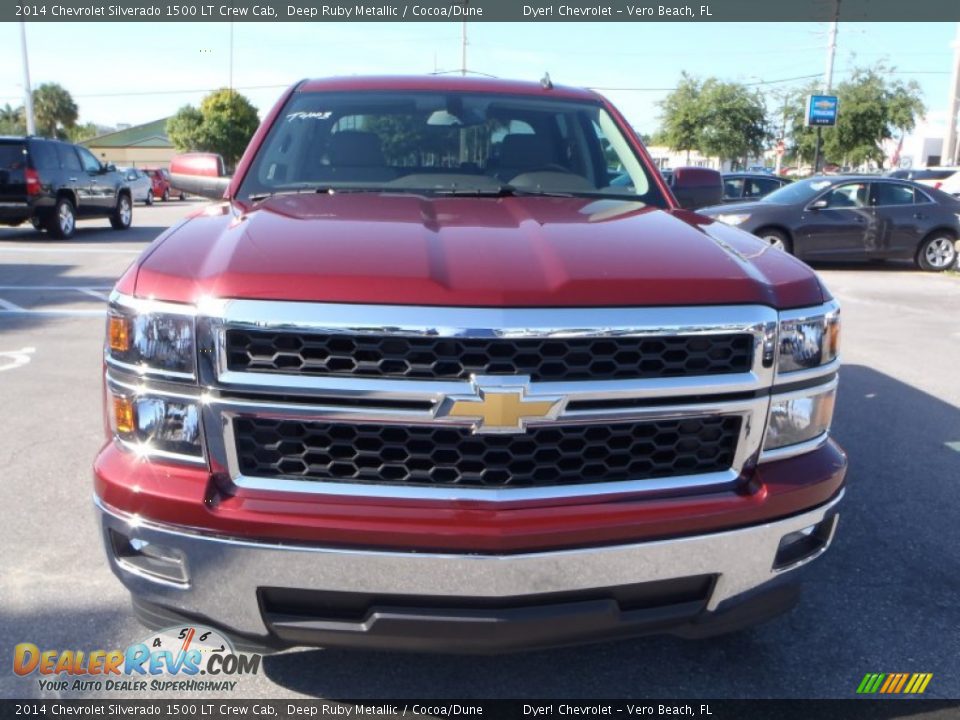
[{"x": 463, "y": 391}]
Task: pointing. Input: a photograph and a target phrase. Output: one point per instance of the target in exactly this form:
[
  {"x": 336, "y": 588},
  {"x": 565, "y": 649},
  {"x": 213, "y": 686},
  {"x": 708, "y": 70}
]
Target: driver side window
[
  {"x": 851, "y": 195},
  {"x": 90, "y": 163}
]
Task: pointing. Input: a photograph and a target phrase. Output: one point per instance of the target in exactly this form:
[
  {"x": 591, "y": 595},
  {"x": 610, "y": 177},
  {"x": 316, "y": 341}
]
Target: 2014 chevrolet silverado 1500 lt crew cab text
[{"x": 425, "y": 379}]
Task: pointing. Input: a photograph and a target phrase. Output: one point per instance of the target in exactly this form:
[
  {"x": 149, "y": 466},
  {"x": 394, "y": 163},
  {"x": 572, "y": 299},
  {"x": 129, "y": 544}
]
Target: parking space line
[
  {"x": 68, "y": 250},
  {"x": 11, "y": 307},
  {"x": 51, "y": 313},
  {"x": 94, "y": 293}
]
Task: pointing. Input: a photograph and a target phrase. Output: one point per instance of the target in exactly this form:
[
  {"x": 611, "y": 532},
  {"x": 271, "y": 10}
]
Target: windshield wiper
[
  {"x": 314, "y": 190},
  {"x": 505, "y": 190}
]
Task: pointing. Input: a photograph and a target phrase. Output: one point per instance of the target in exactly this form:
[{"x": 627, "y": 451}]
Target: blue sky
[{"x": 137, "y": 72}]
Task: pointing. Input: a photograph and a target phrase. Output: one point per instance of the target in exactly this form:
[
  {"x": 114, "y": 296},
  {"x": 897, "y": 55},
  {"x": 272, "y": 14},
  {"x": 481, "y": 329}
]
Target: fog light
[
  {"x": 799, "y": 418},
  {"x": 804, "y": 545},
  {"x": 147, "y": 558},
  {"x": 155, "y": 425}
]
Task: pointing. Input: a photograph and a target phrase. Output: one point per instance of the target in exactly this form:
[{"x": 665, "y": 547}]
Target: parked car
[
  {"x": 745, "y": 187},
  {"x": 398, "y": 395},
  {"x": 854, "y": 217},
  {"x": 162, "y": 185},
  {"x": 52, "y": 184},
  {"x": 951, "y": 184},
  {"x": 934, "y": 177},
  {"x": 140, "y": 184}
]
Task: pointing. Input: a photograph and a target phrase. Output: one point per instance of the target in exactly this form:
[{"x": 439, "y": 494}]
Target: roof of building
[{"x": 151, "y": 134}]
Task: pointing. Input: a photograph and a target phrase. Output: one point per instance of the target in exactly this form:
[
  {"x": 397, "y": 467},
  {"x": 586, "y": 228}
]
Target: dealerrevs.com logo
[{"x": 183, "y": 658}]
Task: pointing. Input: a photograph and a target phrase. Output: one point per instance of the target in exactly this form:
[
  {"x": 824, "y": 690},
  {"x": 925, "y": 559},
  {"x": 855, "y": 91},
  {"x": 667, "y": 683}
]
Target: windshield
[
  {"x": 447, "y": 143},
  {"x": 797, "y": 192}
]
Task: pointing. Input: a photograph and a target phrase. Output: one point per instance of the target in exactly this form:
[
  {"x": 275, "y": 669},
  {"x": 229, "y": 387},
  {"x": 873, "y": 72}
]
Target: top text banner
[{"x": 484, "y": 10}]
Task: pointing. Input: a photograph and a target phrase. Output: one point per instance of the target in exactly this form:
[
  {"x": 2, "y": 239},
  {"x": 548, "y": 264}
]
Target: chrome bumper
[{"x": 223, "y": 575}]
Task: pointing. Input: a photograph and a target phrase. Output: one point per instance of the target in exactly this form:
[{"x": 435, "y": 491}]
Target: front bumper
[{"x": 283, "y": 595}]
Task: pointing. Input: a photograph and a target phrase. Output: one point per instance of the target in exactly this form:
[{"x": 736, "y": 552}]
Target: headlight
[
  {"x": 156, "y": 425},
  {"x": 161, "y": 342},
  {"x": 808, "y": 342},
  {"x": 799, "y": 417},
  {"x": 733, "y": 218}
]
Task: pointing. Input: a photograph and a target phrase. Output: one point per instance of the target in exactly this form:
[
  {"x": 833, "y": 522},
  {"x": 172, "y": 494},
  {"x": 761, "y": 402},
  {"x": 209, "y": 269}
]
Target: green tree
[
  {"x": 224, "y": 124},
  {"x": 79, "y": 133},
  {"x": 682, "y": 115},
  {"x": 733, "y": 121},
  {"x": 873, "y": 108},
  {"x": 184, "y": 129},
  {"x": 54, "y": 110},
  {"x": 12, "y": 121},
  {"x": 229, "y": 121}
]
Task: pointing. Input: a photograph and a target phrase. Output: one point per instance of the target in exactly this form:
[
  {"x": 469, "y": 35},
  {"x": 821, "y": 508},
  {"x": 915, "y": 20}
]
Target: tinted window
[
  {"x": 90, "y": 163},
  {"x": 797, "y": 192},
  {"x": 12, "y": 156},
  {"x": 758, "y": 187},
  {"x": 851, "y": 195},
  {"x": 891, "y": 194},
  {"x": 68, "y": 157},
  {"x": 44, "y": 155},
  {"x": 732, "y": 187}
]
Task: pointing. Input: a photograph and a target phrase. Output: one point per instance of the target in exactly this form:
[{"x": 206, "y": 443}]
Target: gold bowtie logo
[{"x": 499, "y": 407}]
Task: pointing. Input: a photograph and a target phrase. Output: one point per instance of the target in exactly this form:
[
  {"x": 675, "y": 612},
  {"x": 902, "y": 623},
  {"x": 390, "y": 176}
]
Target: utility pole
[
  {"x": 463, "y": 48},
  {"x": 27, "y": 90},
  {"x": 827, "y": 77},
  {"x": 949, "y": 154}
]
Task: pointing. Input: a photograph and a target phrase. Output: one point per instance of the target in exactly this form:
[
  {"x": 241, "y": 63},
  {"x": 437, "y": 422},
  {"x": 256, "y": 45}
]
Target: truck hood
[{"x": 468, "y": 251}]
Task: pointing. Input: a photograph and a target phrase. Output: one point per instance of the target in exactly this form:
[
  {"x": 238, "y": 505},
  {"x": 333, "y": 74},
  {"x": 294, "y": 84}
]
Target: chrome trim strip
[
  {"x": 415, "y": 321},
  {"x": 233, "y": 568},
  {"x": 789, "y": 378},
  {"x": 809, "y": 313},
  {"x": 147, "y": 371},
  {"x": 789, "y": 451}
]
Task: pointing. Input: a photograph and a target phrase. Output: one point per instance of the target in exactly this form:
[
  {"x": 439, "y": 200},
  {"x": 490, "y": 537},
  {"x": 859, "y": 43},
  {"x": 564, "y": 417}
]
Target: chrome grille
[
  {"x": 437, "y": 456},
  {"x": 542, "y": 359}
]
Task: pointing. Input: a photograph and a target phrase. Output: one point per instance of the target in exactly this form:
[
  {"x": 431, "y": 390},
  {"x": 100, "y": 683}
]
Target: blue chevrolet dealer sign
[{"x": 822, "y": 110}]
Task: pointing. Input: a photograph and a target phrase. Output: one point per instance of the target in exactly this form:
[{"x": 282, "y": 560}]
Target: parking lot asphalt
[{"x": 884, "y": 599}]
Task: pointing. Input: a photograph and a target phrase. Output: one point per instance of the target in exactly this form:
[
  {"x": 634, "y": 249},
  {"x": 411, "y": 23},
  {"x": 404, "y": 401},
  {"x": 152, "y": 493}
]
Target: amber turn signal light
[
  {"x": 124, "y": 414},
  {"x": 119, "y": 332}
]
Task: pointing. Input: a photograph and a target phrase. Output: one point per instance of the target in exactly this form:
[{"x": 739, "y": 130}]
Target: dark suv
[{"x": 53, "y": 183}]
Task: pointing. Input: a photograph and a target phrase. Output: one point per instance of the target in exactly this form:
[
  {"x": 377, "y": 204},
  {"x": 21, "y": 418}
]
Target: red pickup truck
[{"x": 434, "y": 376}]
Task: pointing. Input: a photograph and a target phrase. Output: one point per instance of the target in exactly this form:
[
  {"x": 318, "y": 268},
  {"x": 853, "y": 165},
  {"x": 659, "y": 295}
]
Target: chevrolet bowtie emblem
[{"x": 501, "y": 405}]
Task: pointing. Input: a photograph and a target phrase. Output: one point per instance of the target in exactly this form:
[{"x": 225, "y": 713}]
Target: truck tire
[
  {"x": 166, "y": 195},
  {"x": 937, "y": 252},
  {"x": 149, "y": 200},
  {"x": 37, "y": 224},
  {"x": 62, "y": 222},
  {"x": 123, "y": 214}
]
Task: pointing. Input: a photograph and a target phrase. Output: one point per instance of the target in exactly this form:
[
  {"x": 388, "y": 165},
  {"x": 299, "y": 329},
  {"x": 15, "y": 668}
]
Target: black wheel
[
  {"x": 149, "y": 200},
  {"x": 37, "y": 225},
  {"x": 937, "y": 252},
  {"x": 182, "y": 197},
  {"x": 166, "y": 195},
  {"x": 62, "y": 222},
  {"x": 123, "y": 214},
  {"x": 776, "y": 238}
]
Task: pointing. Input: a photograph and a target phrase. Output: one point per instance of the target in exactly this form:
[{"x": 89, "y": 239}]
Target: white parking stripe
[
  {"x": 93, "y": 293},
  {"x": 69, "y": 250},
  {"x": 9, "y": 306},
  {"x": 52, "y": 313}
]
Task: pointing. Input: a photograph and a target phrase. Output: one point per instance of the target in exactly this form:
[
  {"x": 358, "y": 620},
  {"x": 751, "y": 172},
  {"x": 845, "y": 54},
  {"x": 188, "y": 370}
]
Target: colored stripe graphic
[{"x": 894, "y": 683}]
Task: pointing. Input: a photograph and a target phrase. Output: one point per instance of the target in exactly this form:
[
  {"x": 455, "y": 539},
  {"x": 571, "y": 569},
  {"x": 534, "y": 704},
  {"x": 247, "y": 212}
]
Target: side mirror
[
  {"x": 696, "y": 187},
  {"x": 111, "y": 167},
  {"x": 200, "y": 174},
  {"x": 819, "y": 204}
]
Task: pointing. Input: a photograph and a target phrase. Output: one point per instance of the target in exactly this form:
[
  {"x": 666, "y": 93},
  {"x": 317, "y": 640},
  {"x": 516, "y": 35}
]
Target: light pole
[
  {"x": 28, "y": 91},
  {"x": 827, "y": 78},
  {"x": 948, "y": 154}
]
